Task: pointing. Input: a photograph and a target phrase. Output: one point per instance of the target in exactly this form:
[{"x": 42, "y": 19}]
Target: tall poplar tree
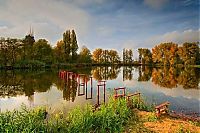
[
  {"x": 66, "y": 40},
  {"x": 74, "y": 45}
]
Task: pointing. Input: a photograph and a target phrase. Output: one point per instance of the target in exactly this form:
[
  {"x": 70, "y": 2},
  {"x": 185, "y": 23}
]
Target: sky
[{"x": 107, "y": 24}]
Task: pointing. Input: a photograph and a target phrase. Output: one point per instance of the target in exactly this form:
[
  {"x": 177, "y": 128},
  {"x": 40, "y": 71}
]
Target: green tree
[
  {"x": 3, "y": 52},
  {"x": 66, "y": 41},
  {"x": 74, "y": 45},
  {"x": 9, "y": 51},
  {"x": 28, "y": 47},
  {"x": 42, "y": 51}
]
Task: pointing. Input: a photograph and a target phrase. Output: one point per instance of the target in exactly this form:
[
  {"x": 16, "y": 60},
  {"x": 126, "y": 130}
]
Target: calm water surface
[{"x": 181, "y": 87}]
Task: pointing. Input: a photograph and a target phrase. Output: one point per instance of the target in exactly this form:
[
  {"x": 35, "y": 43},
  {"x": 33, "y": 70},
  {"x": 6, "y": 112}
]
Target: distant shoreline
[{"x": 82, "y": 65}]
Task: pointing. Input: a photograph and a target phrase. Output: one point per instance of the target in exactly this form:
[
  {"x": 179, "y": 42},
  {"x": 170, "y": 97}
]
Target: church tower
[{"x": 31, "y": 32}]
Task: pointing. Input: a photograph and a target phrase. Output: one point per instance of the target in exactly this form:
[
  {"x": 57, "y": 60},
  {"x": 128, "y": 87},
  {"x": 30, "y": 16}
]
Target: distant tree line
[
  {"x": 30, "y": 53},
  {"x": 25, "y": 52}
]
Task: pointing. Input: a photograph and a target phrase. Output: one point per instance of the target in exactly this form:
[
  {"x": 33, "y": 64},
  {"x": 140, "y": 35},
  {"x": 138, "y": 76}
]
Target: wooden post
[
  {"x": 81, "y": 84},
  {"x": 90, "y": 89},
  {"x": 104, "y": 93},
  {"x": 91, "y": 82},
  {"x": 79, "y": 80}
]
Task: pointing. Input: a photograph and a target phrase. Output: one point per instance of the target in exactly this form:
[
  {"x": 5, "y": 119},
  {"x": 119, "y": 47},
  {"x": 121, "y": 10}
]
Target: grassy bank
[
  {"x": 115, "y": 116},
  {"x": 111, "y": 117}
]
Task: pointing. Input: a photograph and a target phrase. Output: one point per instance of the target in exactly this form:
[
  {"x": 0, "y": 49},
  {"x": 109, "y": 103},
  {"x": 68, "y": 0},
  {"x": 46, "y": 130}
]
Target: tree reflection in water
[
  {"x": 168, "y": 77},
  {"x": 127, "y": 73},
  {"x": 105, "y": 73},
  {"x": 70, "y": 86},
  {"x": 15, "y": 83},
  {"x": 171, "y": 77},
  {"x": 144, "y": 73}
]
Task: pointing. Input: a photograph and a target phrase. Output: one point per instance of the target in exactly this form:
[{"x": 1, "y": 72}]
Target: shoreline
[{"x": 83, "y": 65}]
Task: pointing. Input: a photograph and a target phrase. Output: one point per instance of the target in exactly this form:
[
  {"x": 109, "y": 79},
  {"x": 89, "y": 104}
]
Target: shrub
[
  {"x": 24, "y": 120},
  {"x": 141, "y": 104}
]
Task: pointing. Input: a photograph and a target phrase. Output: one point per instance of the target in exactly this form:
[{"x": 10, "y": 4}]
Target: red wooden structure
[
  {"x": 130, "y": 100},
  {"x": 101, "y": 83},
  {"x": 63, "y": 74},
  {"x": 66, "y": 74},
  {"x": 69, "y": 74},
  {"x": 133, "y": 95},
  {"x": 117, "y": 95},
  {"x": 81, "y": 84},
  {"x": 91, "y": 88}
]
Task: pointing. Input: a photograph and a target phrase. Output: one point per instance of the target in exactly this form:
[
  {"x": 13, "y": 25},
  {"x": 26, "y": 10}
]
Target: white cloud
[
  {"x": 3, "y": 28},
  {"x": 87, "y": 2},
  {"x": 156, "y": 4},
  {"x": 177, "y": 37},
  {"x": 49, "y": 18}
]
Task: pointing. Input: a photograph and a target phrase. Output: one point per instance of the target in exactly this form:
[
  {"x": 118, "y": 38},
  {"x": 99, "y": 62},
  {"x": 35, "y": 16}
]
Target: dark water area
[{"x": 181, "y": 87}]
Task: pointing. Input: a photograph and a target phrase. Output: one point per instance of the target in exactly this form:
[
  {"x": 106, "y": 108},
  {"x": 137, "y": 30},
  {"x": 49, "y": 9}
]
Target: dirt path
[{"x": 166, "y": 124}]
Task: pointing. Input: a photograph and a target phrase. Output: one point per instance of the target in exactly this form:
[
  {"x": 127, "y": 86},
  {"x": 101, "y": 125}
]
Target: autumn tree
[
  {"x": 105, "y": 56},
  {"x": 145, "y": 56},
  {"x": 85, "y": 55},
  {"x": 113, "y": 56},
  {"x": 59, "y": 52},
  {"x": 127, "y": 56},
  {"x": 189, "y": 53},
  {"x": 165, "y": 54},
  {"x": 97, "y": 55}
]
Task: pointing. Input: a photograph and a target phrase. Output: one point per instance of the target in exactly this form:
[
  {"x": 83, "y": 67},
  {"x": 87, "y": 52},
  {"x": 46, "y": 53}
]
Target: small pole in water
[{"x": 91, "y": 82}]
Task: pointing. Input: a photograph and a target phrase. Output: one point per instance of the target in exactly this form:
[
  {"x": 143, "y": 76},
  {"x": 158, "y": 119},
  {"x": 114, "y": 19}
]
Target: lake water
[{"x": 181, "y": 87}]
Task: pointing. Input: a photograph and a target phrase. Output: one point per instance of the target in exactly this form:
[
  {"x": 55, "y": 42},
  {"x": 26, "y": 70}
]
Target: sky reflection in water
[{"x": 178, "y": 86}]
